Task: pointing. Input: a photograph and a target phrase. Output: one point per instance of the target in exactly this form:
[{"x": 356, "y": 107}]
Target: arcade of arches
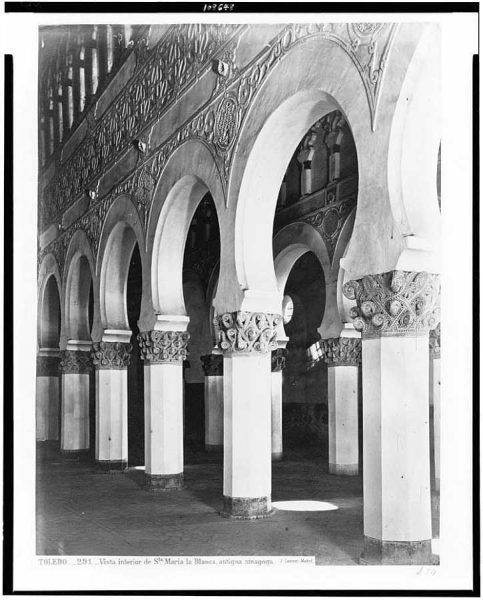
[{"x": 238, "y": 233}]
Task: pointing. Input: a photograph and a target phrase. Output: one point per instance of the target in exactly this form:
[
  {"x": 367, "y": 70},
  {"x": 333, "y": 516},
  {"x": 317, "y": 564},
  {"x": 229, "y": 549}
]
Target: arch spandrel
[{"x": 282, "y": 109}]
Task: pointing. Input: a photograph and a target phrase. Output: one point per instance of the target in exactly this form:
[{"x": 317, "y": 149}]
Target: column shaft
[
  {"x": 164, "y": 352},
  {"x": 435, "y": 401},
  {"x": 47, "y": 398},
  {"x": 343, "y": 420},
  {"x": 247, "y": 435},
  {"x": 214, "y": 412},
  {"x": 111, "y": 360},
  {"x": 277, "y": 438}
]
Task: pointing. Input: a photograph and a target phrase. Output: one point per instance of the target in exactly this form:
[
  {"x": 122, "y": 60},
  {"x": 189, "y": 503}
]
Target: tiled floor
[{"x": 81, "y": 511}]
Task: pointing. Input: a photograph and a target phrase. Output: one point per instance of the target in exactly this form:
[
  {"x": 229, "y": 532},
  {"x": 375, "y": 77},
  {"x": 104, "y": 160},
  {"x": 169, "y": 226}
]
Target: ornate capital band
[
  {"x": 111, "y": 355},
  {"x": 397, "y": 303},
  {"x": 341, "y": 351},
  {"x": 48, "y": 366},
  {"x": 164, "y": 346},
  {"x": 247, "y": 332},
  {"x": 278, "y": 359},
  {"x": 212, "y": 364},
  {"x": 435, "y": 342},
  {"x": 75, "y": 361}
]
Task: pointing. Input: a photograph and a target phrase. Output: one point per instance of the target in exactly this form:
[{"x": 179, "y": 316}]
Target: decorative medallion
[
  {"x": 163, "y": 346},
  {"x": 395, "y": 303},
  {"x": 226, "y": 122},
  {"x": 247, "y": 331}
]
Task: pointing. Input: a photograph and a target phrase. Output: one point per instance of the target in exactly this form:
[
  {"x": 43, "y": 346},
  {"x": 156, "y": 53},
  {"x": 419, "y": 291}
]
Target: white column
[
  {"x": 394, "y": 312},
  {"x": 435, "y": 397},
  {"x": 278, "y": 364},
  {"x": 163, "y": 352},
  {"x": 75, "y": 367},
  {"x": 47, "y": 395},
  {"x": 247, "y": 340},
  {"x": 213, "y": 367},
  {"x": 111, "y": 359},
  {"x": 342, "y": 356}
]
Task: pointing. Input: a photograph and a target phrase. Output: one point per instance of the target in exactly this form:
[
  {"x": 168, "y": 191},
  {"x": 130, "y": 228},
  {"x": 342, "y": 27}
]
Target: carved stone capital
[
  {"x": 163, "y": 346},
  {"x": 111, "y": 355},
  {"x": 48, "y": 366},
  {"x": 75, "y": 361},
  {"x": 212, "y": 365},
  {"x": 278, "y": 359},
  {"x": 247, "y": 331},
  {"x": 397, "y": 303},
  {"x": 341, "y": 351},
  {"x": 435, "y": 342}
]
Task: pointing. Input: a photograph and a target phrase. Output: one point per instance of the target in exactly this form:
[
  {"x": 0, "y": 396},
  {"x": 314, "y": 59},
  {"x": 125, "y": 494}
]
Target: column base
[
  {"x": 246, "y": 508},
  {"x": 214, "y": 447},
  {"x": 165, "y": 483},
  {"x": 276, "y": 456},
  {"x": 337, "y": 469},
  {"x": 75, "y": 454},
  {"x": 108, "y": 466},
  {"x": 380, "y": 552}
]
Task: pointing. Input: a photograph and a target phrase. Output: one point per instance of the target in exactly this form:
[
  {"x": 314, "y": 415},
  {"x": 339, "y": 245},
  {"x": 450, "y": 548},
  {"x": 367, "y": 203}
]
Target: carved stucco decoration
[
  {"x": 75, "y": 361},
  {"x": 435, "y": 342},
  {"x": 341, "y": 351},
  {"x": 111, "y": 355},
  {"x": 395, "y": 303},
  {"x": 329, "y": 220},
  {"x": 164, "y": 346},
  {"x": 171, "y": 67},
  {"x": 212, "y": 365},
  {"x": 279, "y": 358},
  {"x": 247, "y": 332}
]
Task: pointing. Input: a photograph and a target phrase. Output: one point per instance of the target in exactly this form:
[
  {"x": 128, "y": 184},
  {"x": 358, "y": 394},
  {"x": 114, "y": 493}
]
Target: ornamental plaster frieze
[
  {"x": 218, "y": 123},
  {"x": 111, "y": 355},
  {"x": 164, "y": 346},
  {"x": 279, "y": 359},
  {"x": 165, "y": 72},
  {"x": 341, "y": 351},
  {"x": 75, "y": 361},
  {"x": 435, "y": 342},
  {"x": 397, "y": 303},
  {"x": 247, "y": 332},
  {"x": 212, "y": 365}
]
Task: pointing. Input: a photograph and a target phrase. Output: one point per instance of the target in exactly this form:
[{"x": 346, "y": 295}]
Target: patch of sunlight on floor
[
  {"x": 435, "y": 546},
  {"x": 304, "y": 505},
  {"x": 140, "y": 468}
]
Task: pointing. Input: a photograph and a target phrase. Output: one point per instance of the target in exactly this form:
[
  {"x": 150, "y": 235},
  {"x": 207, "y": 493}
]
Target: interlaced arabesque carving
[
  {"x": 163, "y": 346},
  {"x": 48, "y": 366},
  {"x": 75, "y": 361},
  {"x": 395, "y": 303},
  {"x": 279, "y": 358},
  {"x": 435, "y": 342},
  {"x": 329, "y": 220},
  {"x": 172, "y": 65},
  {"x": 111, "y": 355},
  {"x": 217, "y": 123},
  {"x": 247, "y": 332},
  {"x": 341, "y": 351},
  {"x": 212, "y": 364}
]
